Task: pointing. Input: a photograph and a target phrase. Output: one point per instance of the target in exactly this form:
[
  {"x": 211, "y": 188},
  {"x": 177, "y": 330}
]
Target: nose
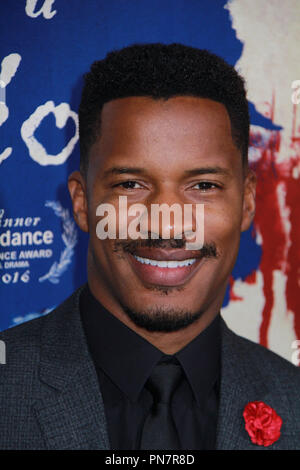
[{"x": 168, "y": 216}]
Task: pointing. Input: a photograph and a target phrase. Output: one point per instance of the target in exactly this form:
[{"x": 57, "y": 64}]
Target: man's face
[{"x": 180, "y": 151}]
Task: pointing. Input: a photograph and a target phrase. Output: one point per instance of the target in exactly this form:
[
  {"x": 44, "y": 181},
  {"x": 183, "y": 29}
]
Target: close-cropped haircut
[{"x": 161, "y": 71}]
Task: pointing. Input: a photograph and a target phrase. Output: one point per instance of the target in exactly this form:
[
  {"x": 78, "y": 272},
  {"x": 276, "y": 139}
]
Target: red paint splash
[
  {"x": 232, "y": 294},
  {"x": 251, "y": 279},
  {"x": 280, "y": 249}
]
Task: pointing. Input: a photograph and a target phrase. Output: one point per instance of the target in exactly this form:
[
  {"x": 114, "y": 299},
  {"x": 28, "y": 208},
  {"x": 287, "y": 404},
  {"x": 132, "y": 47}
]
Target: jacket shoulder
[
  {"x": 28, "y": 334},
  {"x": 21, "y": 384},
  {"x": 270, "y": 364}
]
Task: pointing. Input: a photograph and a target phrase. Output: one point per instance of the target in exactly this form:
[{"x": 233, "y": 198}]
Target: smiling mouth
[
  {"x": 164, "y": 272},
  {"x": 166, "y": 264}
]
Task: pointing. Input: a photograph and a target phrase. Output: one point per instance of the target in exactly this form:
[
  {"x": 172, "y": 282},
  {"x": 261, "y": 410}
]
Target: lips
[
  {"x": 142, "y": 262},
  {"x": 166, "y": 255}
]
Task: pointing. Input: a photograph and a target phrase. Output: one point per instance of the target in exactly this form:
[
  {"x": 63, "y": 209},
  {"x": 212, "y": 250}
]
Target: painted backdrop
[{"x": 46, "y": 46}]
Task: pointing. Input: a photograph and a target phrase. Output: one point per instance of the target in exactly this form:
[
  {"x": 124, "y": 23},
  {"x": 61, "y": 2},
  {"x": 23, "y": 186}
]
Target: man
[{"x": 140, "y": 358}]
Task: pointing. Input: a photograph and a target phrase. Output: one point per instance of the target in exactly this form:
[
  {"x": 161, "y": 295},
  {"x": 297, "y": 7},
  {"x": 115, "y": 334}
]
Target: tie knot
[{"x": 164, "y": 380}]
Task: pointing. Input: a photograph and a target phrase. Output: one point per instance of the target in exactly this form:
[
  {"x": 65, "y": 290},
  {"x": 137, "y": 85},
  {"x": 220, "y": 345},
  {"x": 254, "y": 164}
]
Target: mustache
[{"x": 209, "y": 250}]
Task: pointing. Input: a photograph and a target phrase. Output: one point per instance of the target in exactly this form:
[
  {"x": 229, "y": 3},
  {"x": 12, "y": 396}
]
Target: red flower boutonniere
[{"x": 262, "y": 423}]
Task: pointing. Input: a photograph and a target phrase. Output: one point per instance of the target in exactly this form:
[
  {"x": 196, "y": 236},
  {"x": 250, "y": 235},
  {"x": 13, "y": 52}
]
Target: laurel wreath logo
[
  {"x": 31, "y": 316},
  {"x": 69, "y": 237}
]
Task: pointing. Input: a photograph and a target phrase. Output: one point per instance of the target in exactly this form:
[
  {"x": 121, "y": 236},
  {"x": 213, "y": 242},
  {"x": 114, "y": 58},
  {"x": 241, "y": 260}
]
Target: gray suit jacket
[{"x": 50, "y": 397}]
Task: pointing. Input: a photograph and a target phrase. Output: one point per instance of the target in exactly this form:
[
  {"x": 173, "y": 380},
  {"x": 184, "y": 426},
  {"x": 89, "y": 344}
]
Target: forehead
[
  {"x": 154, "y": 128},
  {"x": 186, "y": 112}
]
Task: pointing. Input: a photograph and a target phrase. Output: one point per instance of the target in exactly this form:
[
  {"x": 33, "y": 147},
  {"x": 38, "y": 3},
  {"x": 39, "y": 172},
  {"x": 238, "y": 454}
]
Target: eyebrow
[
  {"x": 215, "y": 170},
  {"x": 116, "y": 170}
]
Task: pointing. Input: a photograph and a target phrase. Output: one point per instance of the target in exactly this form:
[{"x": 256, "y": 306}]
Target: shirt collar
[{"x": 128, "y": 359}]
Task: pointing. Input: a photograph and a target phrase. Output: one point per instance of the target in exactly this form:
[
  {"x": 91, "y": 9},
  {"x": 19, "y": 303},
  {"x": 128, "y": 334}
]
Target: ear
[
  {"x": 249, "y": 200},
  {"x": 77, "y": 190}
]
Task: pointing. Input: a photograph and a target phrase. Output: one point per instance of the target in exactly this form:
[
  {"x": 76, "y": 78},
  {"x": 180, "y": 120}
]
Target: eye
[
  {"x": 128, "y": 185},
  {"x": 206, "y": 186}
]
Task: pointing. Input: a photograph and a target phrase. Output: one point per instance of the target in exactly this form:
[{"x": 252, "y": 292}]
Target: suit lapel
[
  {"x": 71, "y": 410},
  {"x": 241, "y": 382}
]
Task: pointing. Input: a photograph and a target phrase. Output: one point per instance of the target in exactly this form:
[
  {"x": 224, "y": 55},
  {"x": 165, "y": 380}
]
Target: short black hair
[{"x": 161, "y": 71}]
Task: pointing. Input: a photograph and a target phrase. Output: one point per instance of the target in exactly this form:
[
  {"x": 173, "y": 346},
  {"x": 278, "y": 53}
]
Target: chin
[{"x": 162, "y": 319}]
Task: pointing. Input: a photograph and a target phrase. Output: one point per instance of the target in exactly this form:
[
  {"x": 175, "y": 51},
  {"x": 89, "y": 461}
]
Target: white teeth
[{"x": 165, "y": 264}]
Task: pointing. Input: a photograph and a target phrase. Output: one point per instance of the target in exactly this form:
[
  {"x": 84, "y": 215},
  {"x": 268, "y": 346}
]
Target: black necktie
[{"x": 159, "y": 431}]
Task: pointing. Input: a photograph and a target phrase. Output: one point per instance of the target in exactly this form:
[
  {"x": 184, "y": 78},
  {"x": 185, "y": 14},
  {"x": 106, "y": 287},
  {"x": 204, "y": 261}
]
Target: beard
[{"x": 161, "y": 319}]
